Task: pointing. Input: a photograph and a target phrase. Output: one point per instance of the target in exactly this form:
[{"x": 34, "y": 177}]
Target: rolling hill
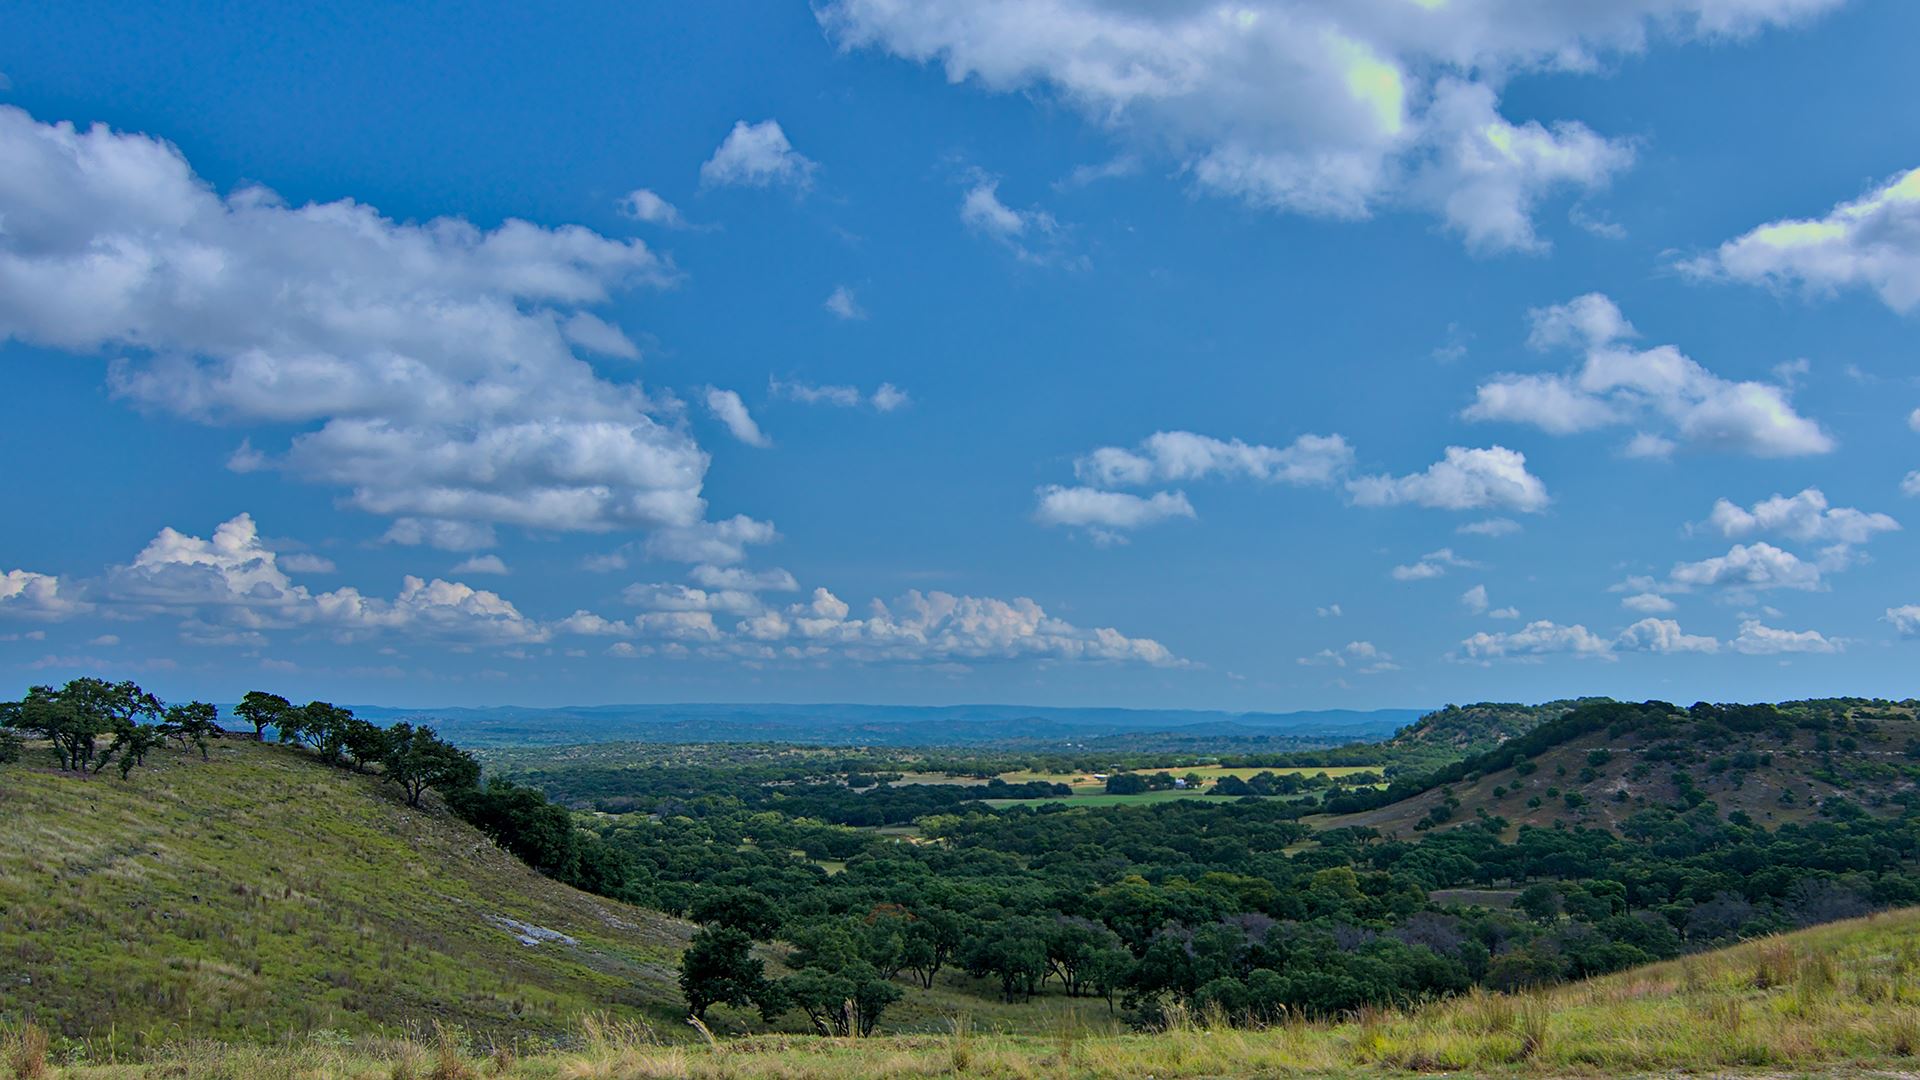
[
  {"x": 1603, "y": 762},
  {"x": 260, "y": 894}
]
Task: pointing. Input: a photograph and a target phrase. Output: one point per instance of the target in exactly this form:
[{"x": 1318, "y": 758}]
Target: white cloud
[
  {"x": 1805, "y": 516},
  {"x": 231, "y": 587},
  {"x": 1504, "y": 613},
  {"x": 674, "y": 597},
  {"x": 1330, "y": 109},
  {"x": 940, "y": 627},
  {"x": 1648, "y": 603},
  {"x": 38, "y": 596},
  {"x": 719, "y": 543},
  {"x": 642, "y": 204},
  {"x": 445, "y": 535},
  {"x": 758, "y": 155},
  {"x": 1173, "y": 456},
  {"x": 1872, "y": 242},
  {"x": 1748, "y": 568},
  {"x": 1490, "y": 478},
  {"x": 1331, "y": 611},
  {"x": 1362, "y": 657},
  {"x": 1663, "y": 636},
  {"x": 886, "y": 398},
  {"x": 1758, "y": 640},
  {"x": 1905, "y": 619},
  {"x": 1085, "y": 507},
  {"x": 742, "y": 580},
  {"x": 105, "y": 640},
  {"x": 426, "y": 368},
  {"x": 1475, "y": 599},
  {"x": 843, "y": 304},
  {"x": 1537, "y": 639},
  {"x": 1111, "y": 169},
  {"x": 1432, "y": 565},
  {"x": 1034, "y": 236},
  {"x": 1913, "y": 420},
  {"x": 1618, "y": 384},
  {"x": 726, "y": 407},
  {"x": 302, "y": 562},
  {"x": 482, "y": 564},
  {"x": 1490, "y": 527},
  {"x": 1910, "y": 484},
  {"x": 596, "y": 335}
]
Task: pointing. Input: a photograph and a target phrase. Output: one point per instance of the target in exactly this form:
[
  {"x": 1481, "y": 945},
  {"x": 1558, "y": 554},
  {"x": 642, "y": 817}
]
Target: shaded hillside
[
  {"x": 1463, "y": 730},
  {"x": 1603, "y": 763},
  {"x": 1831, "y": 1001},
  {"x": 260, "y": 894}
]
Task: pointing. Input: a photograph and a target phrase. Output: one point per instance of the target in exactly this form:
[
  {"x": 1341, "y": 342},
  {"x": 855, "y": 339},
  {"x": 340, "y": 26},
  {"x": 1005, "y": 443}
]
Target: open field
[
  {"x": 1208, "y": 774},
  {"x": 1838, "y": 1000}
]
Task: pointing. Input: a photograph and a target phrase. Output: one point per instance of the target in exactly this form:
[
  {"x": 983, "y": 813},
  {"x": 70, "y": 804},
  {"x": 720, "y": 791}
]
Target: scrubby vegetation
[{"x": 1839, "y": 1000}]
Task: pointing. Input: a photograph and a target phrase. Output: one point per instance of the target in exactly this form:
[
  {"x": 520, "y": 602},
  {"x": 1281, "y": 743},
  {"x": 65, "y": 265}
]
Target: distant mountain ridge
[{"x": 873, "y": 725}]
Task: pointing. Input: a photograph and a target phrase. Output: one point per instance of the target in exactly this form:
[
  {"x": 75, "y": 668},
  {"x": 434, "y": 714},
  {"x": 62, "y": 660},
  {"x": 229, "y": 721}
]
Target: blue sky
[{"x": 1259, "y": 356}]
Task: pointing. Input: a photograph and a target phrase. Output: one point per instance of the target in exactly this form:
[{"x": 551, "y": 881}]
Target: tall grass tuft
[
  {"x": 27, "y": 1054},
  {"x": 960, "y": 1043},
  {"x": 1534, "y": 1019}
]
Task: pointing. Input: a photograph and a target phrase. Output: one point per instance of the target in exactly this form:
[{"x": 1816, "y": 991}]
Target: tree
[
  {"x": 364, "y": 743},
  {"x": 743, "y": 909},
  {"x": 417, "y": 759},
  {"x": 321, "y": 725},
  {"x": 77, "y": 716},
  {"x": 133, "y": 742},
  {"x": 193, "y": 724},
  {"x": 263, "y": 710},
  {"x": 719, "y": 968}
]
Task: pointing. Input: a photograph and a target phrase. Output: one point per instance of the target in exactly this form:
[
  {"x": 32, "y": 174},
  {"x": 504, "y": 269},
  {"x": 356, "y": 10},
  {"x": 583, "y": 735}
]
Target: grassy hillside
[
  {"x": 1462, "y": 730},
  {"x": 260, "y": 895},
  {"x": 1836, "y": 1000},
  {"x": 1824, "y": 758}
]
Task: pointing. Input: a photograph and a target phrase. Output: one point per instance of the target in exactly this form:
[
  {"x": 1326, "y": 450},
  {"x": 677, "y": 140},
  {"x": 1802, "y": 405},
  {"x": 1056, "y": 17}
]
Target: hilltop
[
  {"x": 261, "y": 893},
  {"x": 1834, "y": 1000},
  {"x": 1603, "y": 762}
]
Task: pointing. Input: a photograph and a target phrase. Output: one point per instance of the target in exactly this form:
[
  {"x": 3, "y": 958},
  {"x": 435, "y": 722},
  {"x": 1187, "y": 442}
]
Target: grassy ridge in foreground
[
  {"x": 262, "y": 893},
  {"x": 1834, "y": 998}
]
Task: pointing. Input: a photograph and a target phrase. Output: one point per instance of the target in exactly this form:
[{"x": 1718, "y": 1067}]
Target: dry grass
[{"x": 1836, "y": 999}]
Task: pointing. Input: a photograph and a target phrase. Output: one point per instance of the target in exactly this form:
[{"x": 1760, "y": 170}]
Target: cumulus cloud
[
  {"x": 1872, "y": 242},
  {"x": 758, "y": 155},
  {"x": 482, "y": 564},
  {"x": 1536, "y": 639},
  {"x": 885, "y": 398},
  {"x": 1490, "y": 527},
  {"x": 843, "y": 304},
  {"x": 1545, "y": 638},
  {"x": 1759, "y": 640},
  {"x": 1663, "y": 636},
  {"x": 1648, "y": 603},
  {"x": 642, "y": 204},
  {"x": 726, "y": 407},
  {"x": 1905, "y": 619},
  {"x": 941, "y": 627},
  {"x": 37, "y": 596},
  {"x": 230, "y": 587},
  {"x": 742, "y": 580},
  {"x": 1748, "y": 568},
  {"x": 425, "y": 368},
  {"x": 1618, "y": 384},
  {"x": 1361, "y": 657},
  {"x": 1475, "y": 599},
  {"x": 1177, "y": 456},
  {"x": 1432, "y": 565},
  {"x": 720, "y": 543},
  {"x": 1333, "y": 110},
  {"x": 1085, "y": 507},
  {"x": 1805, "y": 516},
  {"x": 1482, "y": 479}
]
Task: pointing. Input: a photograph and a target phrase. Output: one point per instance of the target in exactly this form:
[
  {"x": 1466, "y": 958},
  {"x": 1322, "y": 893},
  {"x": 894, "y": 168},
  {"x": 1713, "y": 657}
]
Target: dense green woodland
[{"x": 825, "y": 883}]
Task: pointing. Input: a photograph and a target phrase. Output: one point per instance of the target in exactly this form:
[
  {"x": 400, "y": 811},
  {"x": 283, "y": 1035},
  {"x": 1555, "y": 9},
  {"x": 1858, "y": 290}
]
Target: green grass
[
  {"x": 1842, "y": 1000},
  {"x": 261, "y": 895}
]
